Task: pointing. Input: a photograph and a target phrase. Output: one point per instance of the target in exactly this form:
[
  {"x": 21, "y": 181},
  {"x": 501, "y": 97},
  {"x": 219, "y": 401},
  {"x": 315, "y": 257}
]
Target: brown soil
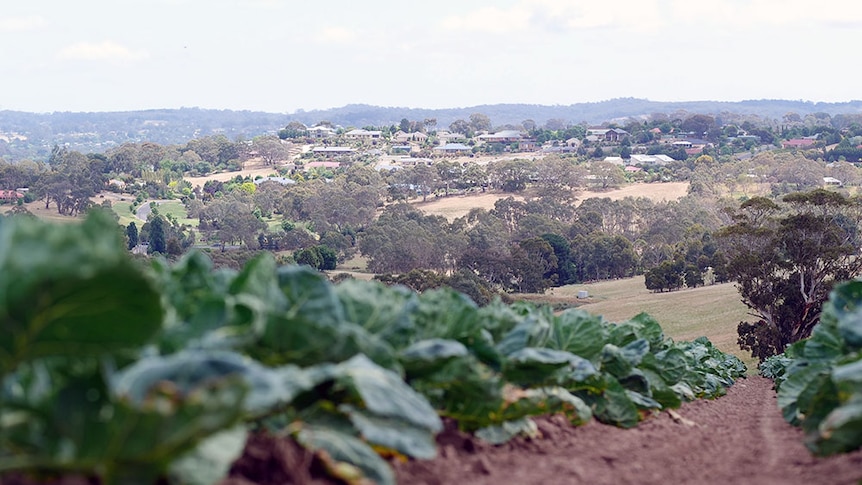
[{"x": 739, "y": 438}]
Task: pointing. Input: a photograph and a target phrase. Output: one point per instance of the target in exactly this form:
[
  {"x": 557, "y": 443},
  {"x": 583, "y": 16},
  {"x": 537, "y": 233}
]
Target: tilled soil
[
  {"x": 736, "y": 439},
  {"x": 740, "y": 438}
]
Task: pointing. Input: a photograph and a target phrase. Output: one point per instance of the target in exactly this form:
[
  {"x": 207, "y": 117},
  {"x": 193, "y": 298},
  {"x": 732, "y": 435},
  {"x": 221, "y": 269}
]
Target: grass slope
[{"x": 711, "y": 311}]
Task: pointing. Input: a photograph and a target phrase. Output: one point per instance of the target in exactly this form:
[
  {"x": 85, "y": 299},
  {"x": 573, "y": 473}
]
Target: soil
[{"x": 738, "y": 438}]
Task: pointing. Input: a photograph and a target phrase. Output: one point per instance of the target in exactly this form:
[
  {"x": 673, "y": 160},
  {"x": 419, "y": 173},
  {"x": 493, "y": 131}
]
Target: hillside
[{"x": 31, "y": 135}]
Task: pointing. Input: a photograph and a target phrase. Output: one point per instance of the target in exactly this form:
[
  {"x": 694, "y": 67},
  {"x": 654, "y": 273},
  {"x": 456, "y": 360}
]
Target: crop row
[
  {"x": 131, "y": 372},
  {"x": 819, "y": 380}
]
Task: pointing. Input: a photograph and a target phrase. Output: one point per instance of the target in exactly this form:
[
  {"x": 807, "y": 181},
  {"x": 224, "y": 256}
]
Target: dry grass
[
  {"x": 711, "y": 311},
  {"x": 459, "y": 205},
  {"x": 252, "y": 168},
  {"x": 456, "y": 206}
]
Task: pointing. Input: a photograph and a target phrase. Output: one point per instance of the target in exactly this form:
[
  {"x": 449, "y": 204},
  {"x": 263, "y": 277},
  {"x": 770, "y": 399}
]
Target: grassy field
[
  {"x": 711, "y": 311},
  {"x": 459, "y": 205}
]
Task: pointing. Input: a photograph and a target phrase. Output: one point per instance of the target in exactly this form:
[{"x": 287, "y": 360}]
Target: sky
[{"x": 281, "y": 56}]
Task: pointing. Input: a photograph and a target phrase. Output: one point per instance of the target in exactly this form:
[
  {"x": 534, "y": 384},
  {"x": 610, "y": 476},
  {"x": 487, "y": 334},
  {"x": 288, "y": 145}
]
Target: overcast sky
[{"x": 283, "y": 55}]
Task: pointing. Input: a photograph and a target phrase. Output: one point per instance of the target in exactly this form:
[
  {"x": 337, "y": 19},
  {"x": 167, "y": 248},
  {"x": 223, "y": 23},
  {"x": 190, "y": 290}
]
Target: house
[
  {"x": 319, "y": 132},
  {"x": 446, "y": 137},
  {"x": 660, "y": 160},
  {"x": 832, "y": 181},
  {"x": 332, "y": 151},
  {"x": 278, "y": 180},
  {"x": 798, "y": 143},
  {"x": 365, "y": 136},
  {"x": 407, "y": 161},
  {"x": 322, "y": 165},
  {"x": 10, "y": 195},
  {"x": 453, "y": 149},
  {"x": 616, "y": 161},
  {"x": 505, "y": 136},
  {"x": 610, "y": 135},
  {"x": 615, "y": 135},
  {"x": 416, "y": 136}
]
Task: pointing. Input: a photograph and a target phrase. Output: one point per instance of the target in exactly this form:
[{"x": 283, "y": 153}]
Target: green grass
[
  {"x": 711, "y": 311},
  {"x": 176, "y": 209},
  {"x": 123, "y": 210}
]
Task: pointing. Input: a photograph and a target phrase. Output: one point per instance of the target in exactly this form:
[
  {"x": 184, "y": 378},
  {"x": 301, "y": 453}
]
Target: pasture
[{"x": 711, "y": 311}]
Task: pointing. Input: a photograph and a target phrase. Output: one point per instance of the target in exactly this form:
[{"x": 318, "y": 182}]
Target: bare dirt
[{"x": 739, "y": 438}]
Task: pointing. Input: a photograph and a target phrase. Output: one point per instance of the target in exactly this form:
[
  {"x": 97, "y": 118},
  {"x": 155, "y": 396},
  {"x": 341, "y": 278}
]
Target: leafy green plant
[
  {"x": 819, "y": 380},
  {"x": 132, "y": 373}
]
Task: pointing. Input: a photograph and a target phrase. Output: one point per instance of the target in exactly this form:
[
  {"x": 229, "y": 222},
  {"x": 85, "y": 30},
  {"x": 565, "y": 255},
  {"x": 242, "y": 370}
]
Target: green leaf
[
  {"x": 393, "y": 434},
  {"x": 615, "y": 405},
  {"x": 578, "y": 332},
  {"x": 535, "y": 366},
  {"x": 793, "y": 386},
  {"x": 189, "y": 370},
  {"x": 501, "y": 433},
  {"x": 845, "y": 307},
  {"x": 310, "y": 298},
  {"x": 385, "y": 394},
  {"x": 670, "y": 364},
  {"x": 840, "y": 432},
  {"x": 641, "y": 326},
  {"x": 71, "y": 290},
  {"x": 211, "y": 460},
  {"x": 313, "y": 329},
  {"x": 380, "y": 309},
  {"x": 428, "y": 356},
  {"x": 344, "y": 448},
  {"x": 81, "y": 427}
]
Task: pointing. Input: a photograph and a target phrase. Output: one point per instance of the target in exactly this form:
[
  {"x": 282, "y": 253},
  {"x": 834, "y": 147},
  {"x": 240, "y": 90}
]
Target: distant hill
[{"x": 31, "y": 135}]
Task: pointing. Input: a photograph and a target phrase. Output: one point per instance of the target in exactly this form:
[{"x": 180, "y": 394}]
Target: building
[
  {"x": 278, "y": 180},
  {"x": 798, "y": 143},
  {"x": 505, "y": 136},
  {"x": 365, "y": 136},
  {"x": 332, "y": 151},
  {"x": 10, "y": 195},
  {"x": 453, "y": 149},
  {"x": 320, "y": 132},
  {"x": 661, "y": 159}
]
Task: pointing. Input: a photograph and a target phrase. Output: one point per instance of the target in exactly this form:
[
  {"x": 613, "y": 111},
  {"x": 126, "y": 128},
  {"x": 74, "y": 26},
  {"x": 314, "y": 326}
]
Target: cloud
[
  {"x": 336, "y": 35},
  {"x": 104, "y": 51},
  {"x": 491, "y": 20},
  {"x": 21, "y": 24},
  {"x": 653, "y": 16}
]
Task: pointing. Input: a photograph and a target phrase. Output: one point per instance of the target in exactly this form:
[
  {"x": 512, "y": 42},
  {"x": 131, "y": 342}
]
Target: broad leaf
[{"x": 71, "y": 290}]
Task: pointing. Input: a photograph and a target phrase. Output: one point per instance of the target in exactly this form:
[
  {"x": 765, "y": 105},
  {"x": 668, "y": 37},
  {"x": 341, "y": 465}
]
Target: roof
[
  {"x": 332, "y": 150},
  {"x": 453, "y": 147},
  {"x": 360, "y": 131},
  {"x": 322, "y": 164},
  {"x": 280, "y": 180},
  {"x": 799, "y": 142},
  {"x": 501, "y": 135},
  {"x": 11, "y": 194}
]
